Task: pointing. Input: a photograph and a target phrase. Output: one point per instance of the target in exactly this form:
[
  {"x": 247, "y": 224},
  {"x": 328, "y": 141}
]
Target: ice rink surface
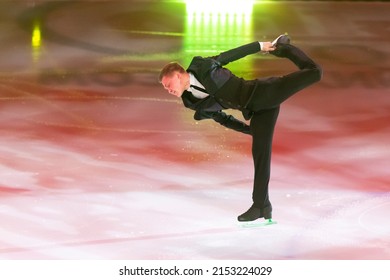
[{"x": 97, "y": 161}]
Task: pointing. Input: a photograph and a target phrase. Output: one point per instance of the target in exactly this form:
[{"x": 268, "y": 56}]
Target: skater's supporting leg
[{"x": 262, "y": 127}]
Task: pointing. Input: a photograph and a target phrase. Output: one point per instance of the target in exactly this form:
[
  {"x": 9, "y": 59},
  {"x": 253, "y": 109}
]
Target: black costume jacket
[{"x": 226, "y": 91}]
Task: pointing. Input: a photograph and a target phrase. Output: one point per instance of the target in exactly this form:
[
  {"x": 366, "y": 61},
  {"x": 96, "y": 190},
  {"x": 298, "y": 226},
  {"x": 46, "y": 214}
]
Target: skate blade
[{"x": 256, "y": 224}]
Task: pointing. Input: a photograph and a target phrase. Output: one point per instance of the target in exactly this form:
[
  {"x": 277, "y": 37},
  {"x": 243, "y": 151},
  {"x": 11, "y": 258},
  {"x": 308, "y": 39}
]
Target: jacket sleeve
[
  {"x": 237, "y": 53},
  {"x": 214, "y": 111},
  {"x": 230, "y": 122}
]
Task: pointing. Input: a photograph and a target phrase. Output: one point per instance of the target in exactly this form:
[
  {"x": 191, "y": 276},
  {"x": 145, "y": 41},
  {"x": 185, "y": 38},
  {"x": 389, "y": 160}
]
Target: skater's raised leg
[{"x": 275, "y": 90}]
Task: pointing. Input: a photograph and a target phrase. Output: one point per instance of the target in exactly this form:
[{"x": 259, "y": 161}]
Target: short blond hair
[{"x": 169, "y": 69}]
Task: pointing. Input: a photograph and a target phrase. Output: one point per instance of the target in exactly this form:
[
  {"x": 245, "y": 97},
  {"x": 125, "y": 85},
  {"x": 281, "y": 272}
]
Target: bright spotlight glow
[
  {"x": 213, "y": 26},
  {"x": 222, "y": 7},
  {"x": 36, "y": 39}
]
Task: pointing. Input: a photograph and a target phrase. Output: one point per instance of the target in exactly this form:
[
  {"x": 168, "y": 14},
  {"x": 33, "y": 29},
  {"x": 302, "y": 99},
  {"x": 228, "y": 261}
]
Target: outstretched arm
[
  {"x": 237, "y": 53},
  {"x": 230, "y": 122},
  {"x": 242, "y": 51},
  {"x": 224, "y": 120}
]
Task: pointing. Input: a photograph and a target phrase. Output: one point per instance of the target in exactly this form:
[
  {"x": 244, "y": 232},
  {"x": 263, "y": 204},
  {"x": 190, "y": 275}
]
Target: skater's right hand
[{"x": 267, "y": 47}]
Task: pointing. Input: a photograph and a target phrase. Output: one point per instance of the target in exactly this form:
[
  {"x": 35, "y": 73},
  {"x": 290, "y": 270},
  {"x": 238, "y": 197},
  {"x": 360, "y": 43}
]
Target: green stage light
[
  {"x": 221, "y": 7},
  {"x": 36, "y": 41},
  {"x": 217, "y": 25}
]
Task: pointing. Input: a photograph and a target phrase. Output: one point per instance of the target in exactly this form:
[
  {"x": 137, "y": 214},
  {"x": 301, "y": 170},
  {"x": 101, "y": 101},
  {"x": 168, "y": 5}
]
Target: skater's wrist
[
  {"x": 261, "y": 45},
  {"x": 264, "y": 46}
]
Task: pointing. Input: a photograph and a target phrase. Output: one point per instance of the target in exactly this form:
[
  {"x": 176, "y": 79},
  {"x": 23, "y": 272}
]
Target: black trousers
[
  {"x": 271, "y": 92},
  {"x": 265, "y": 103},
  {"x": 262, "y": 126}
]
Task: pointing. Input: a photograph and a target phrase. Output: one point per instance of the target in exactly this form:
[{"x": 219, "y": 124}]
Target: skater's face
[{"x": 175, "y": 83}]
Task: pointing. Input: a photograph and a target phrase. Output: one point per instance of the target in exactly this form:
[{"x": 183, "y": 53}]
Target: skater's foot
[
  {"x": 280, "y": 44},
  {"x": 254, "y": 213},
  {"x": 282, "y": 39}
]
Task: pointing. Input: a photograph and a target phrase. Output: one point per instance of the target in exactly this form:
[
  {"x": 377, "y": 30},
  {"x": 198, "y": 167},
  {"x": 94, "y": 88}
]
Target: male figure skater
[{"x": 208, "y": 88}]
